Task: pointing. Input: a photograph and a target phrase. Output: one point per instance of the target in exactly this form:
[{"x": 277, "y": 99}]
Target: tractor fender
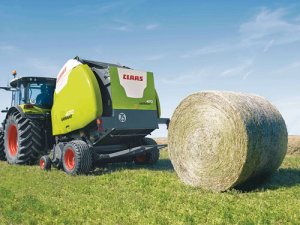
[{"x": 11, "y": 111}]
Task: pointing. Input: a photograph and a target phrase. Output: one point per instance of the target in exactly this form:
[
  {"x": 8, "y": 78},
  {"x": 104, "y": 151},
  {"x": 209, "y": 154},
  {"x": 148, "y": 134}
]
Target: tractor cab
[{"x": 31, "y": 92}]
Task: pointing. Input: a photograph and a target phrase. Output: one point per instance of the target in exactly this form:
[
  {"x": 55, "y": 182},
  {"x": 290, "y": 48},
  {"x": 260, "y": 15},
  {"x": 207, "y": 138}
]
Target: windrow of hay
[
  {"x": 218, "y": 140},
  {"x": 294, "y": 145}
]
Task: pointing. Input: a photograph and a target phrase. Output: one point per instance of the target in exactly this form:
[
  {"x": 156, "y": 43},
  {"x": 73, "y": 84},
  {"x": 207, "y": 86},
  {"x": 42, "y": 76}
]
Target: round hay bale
[{"x": 218, "y": 140}]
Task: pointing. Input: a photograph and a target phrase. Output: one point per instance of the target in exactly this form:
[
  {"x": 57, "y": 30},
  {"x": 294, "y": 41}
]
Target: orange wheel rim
[
  {"x": 12, "y": 140},
  {"x": 70, "y": 159},
  {"x": 42, "y": 164},
  {"x": 141, "y": 158}
]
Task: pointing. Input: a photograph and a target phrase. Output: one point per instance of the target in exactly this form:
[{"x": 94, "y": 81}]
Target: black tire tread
[
  {"x": 154, "y": 155},
  {"x": 2, "y": 153},
  {"x": 30, "y": 139},
  {"x": 47, "y": 161},
  {"x": 151, "y": 157},
  {"x": 83, "y": 156}
]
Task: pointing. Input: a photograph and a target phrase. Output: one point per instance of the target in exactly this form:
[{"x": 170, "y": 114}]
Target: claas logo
[
  {"x": 132, "y": 77},
  {"x": 61, "y": 74}
]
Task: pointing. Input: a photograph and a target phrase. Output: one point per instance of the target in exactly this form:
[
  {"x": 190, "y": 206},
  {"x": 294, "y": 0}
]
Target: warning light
[
  {"x": 14, "y": 73},
  {"x": 99, "y": 122},
  {"x": 28, "y": 106}
]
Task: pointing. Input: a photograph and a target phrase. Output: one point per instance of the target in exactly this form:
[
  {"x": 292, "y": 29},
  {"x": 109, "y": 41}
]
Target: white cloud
[
  {"x": 155, "y": 57},
  {"x": 152, "y": 26},
  {"x": 190, "y": 77},
  {"x": 297, "y": 18},
  {"x": 207, "y": 50},
  {"x": 7, "y": 48},
  {"x": 246, "y": 75},
  {"x": 119, "y": 28},
  {"x": 126, "y": 26},
  {"x": 295, "y": 64},
  {"x": 238, "y": 69},
  {"x": 272, "y": 25},
  {"x": 287, "y": 69},
  {"x": 110, "y": 6},
  {"x": 265, "y": 27},
  {"x": 268, "y": 45},
  {"x": 122, "y": 28},
  {"x": 87, "y": 10}
]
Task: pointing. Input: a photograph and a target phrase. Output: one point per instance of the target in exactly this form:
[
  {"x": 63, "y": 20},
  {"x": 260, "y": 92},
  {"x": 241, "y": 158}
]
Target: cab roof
[{"x": 17, "y": 81}]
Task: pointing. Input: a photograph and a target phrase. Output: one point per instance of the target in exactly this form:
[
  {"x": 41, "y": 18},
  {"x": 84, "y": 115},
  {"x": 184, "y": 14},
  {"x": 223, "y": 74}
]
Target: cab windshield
[{"x": 41, "y": 94}]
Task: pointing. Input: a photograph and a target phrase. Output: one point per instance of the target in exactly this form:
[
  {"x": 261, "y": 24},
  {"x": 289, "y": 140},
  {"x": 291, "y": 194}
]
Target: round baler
[{"x": 96, "y": 113}]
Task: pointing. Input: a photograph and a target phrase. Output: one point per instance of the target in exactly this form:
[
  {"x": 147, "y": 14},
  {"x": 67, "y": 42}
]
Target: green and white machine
[{"x": 101, "y": 113}]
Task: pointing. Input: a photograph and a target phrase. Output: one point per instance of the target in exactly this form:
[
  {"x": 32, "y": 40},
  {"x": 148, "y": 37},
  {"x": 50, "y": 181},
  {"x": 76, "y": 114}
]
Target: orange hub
[
  {"x": 70, "y": 159},
  {"x": 42, "y": 164},
  {"x": 141, "y": 158},
  {"x": 12, "y": 140}
]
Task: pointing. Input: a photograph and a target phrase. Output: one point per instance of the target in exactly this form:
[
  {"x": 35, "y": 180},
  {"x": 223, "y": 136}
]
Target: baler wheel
[
  {"x": 150, "y": 158},
  {"x": 45, "y": 163},
  {"x": 2, "y": 153},
  {"x": 77, "y": 158},
  {"x": 22, "y": 139}
]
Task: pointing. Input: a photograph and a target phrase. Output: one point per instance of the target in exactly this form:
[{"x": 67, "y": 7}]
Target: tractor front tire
[
  {"x": 149, "y": 158},
  {"x": 77, "y": 158},
  {"x": 2, "y": 153},
  {"x": 22, "y": 140}
]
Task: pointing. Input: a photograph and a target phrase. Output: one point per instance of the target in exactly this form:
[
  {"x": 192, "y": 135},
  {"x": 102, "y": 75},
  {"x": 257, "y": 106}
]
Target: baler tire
[
  {"x": 2, "y": 153},
  {"x": 22, "y": 140},
  {"x": 77, "y": 158},
  {"x": 150, "y": 158},
  {"x": 45, "y": 163}
]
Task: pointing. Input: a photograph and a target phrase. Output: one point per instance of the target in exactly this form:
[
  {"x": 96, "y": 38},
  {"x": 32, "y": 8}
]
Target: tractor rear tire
[
  {"x": 2, "y": 153},
  {"x": 77, "y": 158},
  {"x": 45, "y": 163},
  {"x": 149, "y": 158},
  {"x": 22, "y": 140}
]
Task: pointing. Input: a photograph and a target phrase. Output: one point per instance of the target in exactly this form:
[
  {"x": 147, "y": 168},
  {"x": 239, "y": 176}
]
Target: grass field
[{"x": 126, "y": 194}]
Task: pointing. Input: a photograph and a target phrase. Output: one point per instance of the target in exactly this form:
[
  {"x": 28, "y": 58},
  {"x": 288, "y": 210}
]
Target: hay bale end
[{"x": 218, "y": 140}]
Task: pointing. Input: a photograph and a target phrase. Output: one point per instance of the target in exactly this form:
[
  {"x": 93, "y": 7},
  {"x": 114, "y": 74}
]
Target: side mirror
[{"x": 5, "y": 111}]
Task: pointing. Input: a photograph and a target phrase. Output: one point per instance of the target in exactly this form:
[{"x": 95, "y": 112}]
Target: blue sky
[{"x": 248, "y": 46}]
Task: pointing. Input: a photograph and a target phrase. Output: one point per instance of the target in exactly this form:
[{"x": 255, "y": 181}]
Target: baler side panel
[
  {"x": 78, "y": 103},
  {"x": 158, "y": 105},
  {"x": 120, "y": 99}
]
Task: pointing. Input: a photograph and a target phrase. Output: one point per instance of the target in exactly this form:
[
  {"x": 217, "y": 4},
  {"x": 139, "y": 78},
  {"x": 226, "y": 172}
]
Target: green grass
[{"x": 126, "y": 194}]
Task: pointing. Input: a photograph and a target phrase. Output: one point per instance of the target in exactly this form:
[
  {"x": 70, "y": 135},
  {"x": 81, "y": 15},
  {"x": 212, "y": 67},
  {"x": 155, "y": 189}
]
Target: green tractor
[
  {"x": 93, "y": 114},
  {"x": 27, "y": 126}
]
